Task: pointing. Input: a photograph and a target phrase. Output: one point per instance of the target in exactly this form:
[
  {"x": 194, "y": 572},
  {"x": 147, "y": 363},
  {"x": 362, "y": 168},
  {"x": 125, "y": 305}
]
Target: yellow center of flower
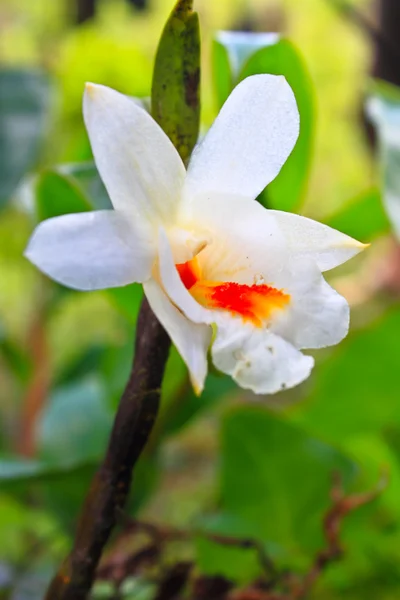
[{"x": 253, "y": 303}]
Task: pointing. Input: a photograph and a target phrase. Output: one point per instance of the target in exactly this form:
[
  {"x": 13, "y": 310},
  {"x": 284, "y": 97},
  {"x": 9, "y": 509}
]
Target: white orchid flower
[{"x": 217, "y": 268}]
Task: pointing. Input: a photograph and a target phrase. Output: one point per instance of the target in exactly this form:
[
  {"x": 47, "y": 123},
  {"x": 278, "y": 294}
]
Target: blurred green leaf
[
  {"x": 187, "y": 405},
  {"x": 75, "y": 424},
  {"x": 231, "y": 50},
  {"x": 356, "y": 391},
  {"x": 364, "y": 218},
  {"x": 222, "y": 73},
  {"x": 277, "y": 478},
  {"x": 24, "y": 105},
  {"x": 16, "y": 359},
  {"x": 58, "y": 195},
  {"x": 385, "y": 113},
  {"x": 238, "y": 563},
  {"x": 16, "y": 472},
  {"x": 88, "y": 179},
  {"x": 175, "y": 94},
  {"x": 128, "y": 300}
]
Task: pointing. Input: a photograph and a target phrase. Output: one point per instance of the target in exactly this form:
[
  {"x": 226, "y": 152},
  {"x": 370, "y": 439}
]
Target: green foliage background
[{"x": 227, "y": 462}]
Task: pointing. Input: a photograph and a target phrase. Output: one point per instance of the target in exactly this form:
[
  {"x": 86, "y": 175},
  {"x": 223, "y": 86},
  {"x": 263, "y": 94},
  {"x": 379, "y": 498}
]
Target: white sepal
[
  {"x": 91, "y": 251},
  {"x": 140, "y": 167}
]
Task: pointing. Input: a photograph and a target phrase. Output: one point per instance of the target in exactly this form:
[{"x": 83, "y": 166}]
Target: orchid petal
[
  {"x": 174, "y": 287},
  {"x": 307, "y": 238},
  {"x": 249, "y": 141},
  {"x": 90, "y": 251},
  {"x": 317, "y": 316},
  {"x": 258, "y": 359},
  {"x": 191, "y": 340},
  {"x": 138, "y": 164},
  {"x": 245, "y": 241}
]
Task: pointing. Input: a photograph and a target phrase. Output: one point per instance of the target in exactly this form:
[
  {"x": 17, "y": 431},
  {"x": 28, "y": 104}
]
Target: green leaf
[
  {"x": 75, "y": 424},
  {"x": 277, "y": 478},
  {"x": 356, "y": 390},
  {"x": 222, "y": 73},
  {"x": 189, "y": 405},
  {"x": 16, "y": 472},
  {"x": 88, "y": 179},
  {"x": 236, "y": 563},
  {"x": 175, "y": 94},
  {"x": 128, "y": 300},
  {"x": 58, "y": 195},
  {"x": 24, "y": 104},
  {"x": 231, "y": 50},
  {"x": 385, "y": 113},
  {"x": 363, "y": 218},
  {"x": 286, "y": 192}
]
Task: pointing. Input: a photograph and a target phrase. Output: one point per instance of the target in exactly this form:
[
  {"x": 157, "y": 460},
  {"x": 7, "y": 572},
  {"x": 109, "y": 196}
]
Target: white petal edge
[
  {"x": 317, "y": 316},
  {"x": 140, "y": 167},
  {"x": 307, "y": 238},
  {"x": 249, "y": 141},
  {"x": 174, "y": 287},
  {"x": 258, "y": 359},
  {"x": 191, "y": 340},
  {"x": 91, "y": 251}
]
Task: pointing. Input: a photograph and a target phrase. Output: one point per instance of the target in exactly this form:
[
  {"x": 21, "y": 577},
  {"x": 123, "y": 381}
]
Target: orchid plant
[
  {"x": 208, "y": 227},
  {"x": 218, "y": 269}
]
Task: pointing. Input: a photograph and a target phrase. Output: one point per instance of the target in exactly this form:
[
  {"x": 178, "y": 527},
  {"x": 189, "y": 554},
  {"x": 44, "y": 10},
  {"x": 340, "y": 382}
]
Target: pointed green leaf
[{"x": 175, "y": 96}]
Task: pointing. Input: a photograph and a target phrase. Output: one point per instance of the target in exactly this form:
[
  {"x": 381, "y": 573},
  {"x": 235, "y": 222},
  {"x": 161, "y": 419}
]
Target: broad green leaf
[
  {"x": 277, "y": 478},
  {"x": 363, "y": 218},
  {"x": 17, "y": 525},
  {"x": 24, "y": 105},
  {"x": 188, "y": 405},
  {"x": 75, "y": 424},
  {"x": 16, "y": 472},
  {"x": 128, "y": 300},
  {"x": 356, "y": 390},
  {"x": 58, "y": 488},
  {"x": 175, "y": 94},
  {"x": 287, "y": 190},
  {"x": 57, "y": 195},
  {"x": 236, "y": 563},
  {"x": 231, "y": 50},
  {"x": 88, "y": 179},
  {"x": 385, "y": 113},
  {"x": 222, "y": 72},
  {"x": 72, "y": 437}
]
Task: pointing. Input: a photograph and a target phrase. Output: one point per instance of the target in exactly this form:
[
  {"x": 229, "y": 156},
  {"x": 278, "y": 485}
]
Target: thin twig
[
  {"x": 342, "y": 505},
  {"x": 110, "y": 487}
]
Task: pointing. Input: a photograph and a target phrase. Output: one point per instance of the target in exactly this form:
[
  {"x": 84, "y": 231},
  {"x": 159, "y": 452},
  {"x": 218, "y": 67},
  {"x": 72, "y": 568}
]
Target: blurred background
[{"x": 228, "y": 463}]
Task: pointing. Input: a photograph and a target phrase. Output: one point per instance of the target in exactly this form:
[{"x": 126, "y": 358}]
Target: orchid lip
[{"x": 253, "y": 303}]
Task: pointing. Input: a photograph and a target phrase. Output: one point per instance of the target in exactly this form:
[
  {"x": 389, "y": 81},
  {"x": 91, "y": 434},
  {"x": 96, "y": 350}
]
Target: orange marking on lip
[
  {"x": 253, "y": 303},
  {"x": 189, "y": 272}
]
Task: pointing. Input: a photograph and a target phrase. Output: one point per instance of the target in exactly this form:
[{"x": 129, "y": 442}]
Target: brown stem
[
  {"x": 110, "y": 487},
  {"x": 37, "y": 390}
]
